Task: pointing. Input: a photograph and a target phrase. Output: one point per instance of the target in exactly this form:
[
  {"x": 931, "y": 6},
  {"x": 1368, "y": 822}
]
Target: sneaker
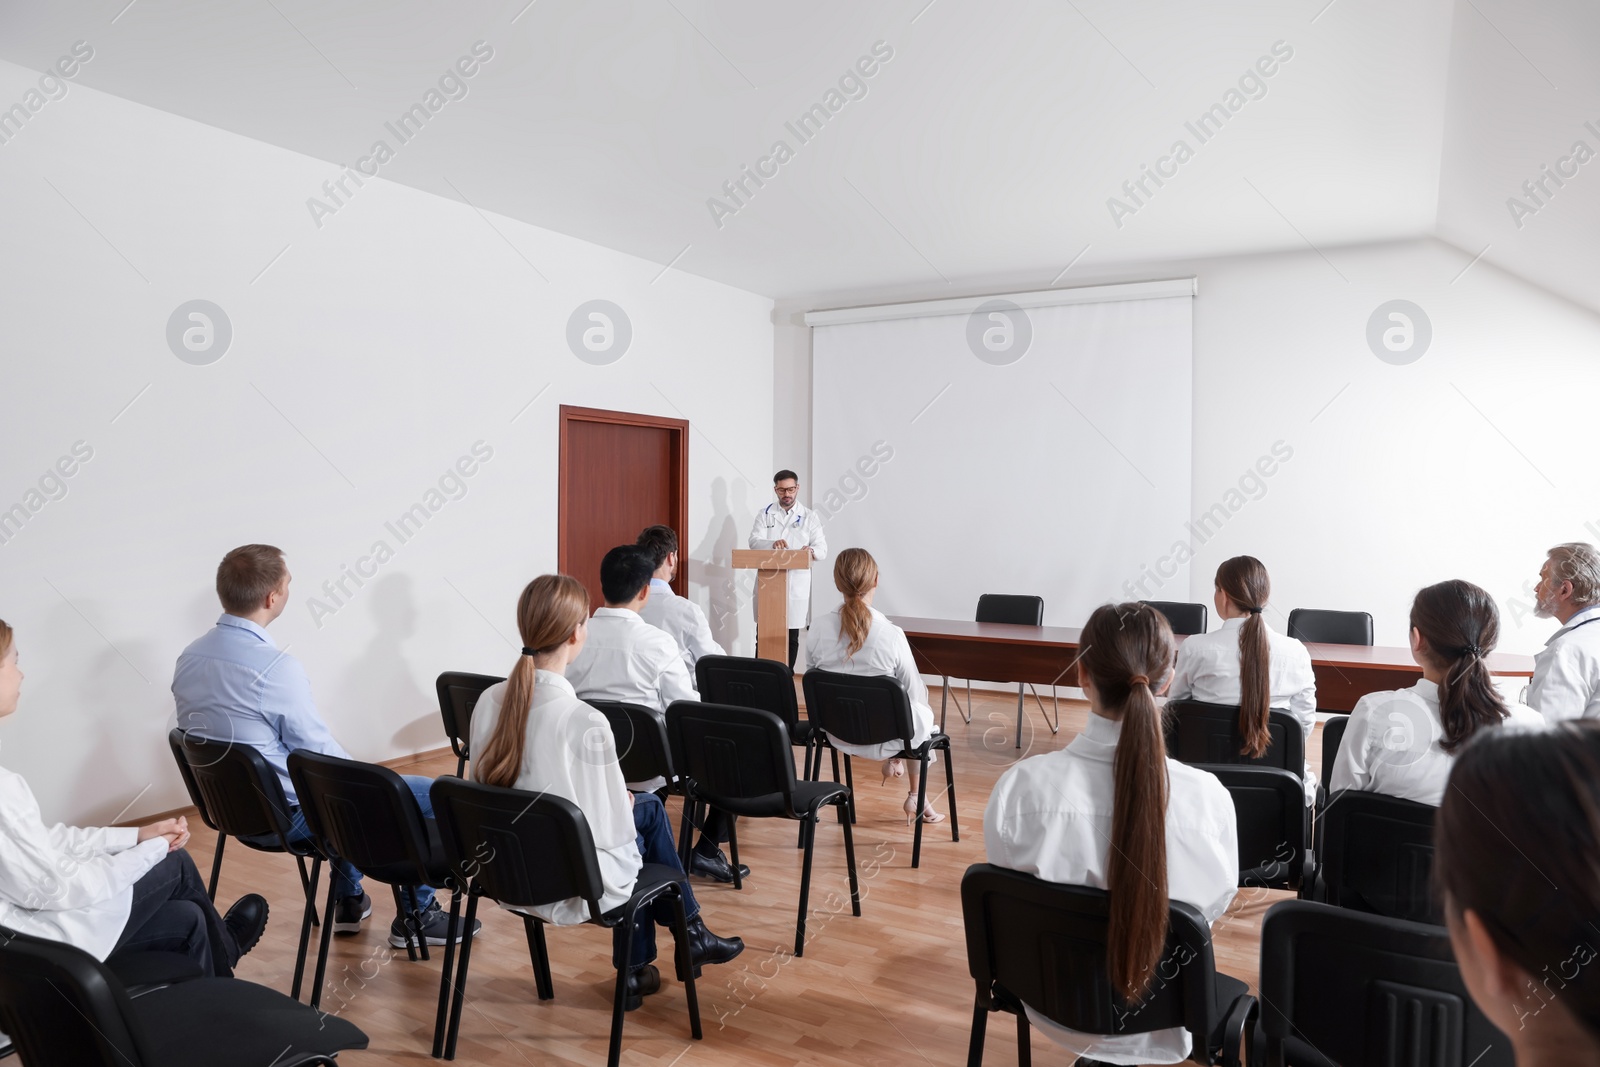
[
  {"x": 435, "y": 926},
  {"x": 350, "y": 912}
]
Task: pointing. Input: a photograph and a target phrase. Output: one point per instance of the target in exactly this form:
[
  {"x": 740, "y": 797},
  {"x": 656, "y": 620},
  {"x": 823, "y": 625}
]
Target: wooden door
[{"x": 620, "y": 472}]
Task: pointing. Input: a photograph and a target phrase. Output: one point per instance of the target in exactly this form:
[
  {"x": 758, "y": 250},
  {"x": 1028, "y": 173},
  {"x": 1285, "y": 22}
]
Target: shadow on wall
[
  {"x": 713, "y": 561},
  {"x": 383, "y": 677}
]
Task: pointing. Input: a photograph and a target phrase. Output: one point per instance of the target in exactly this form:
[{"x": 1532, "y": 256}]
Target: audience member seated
[
  {"x": 1403, "y": 742},
  {"x": 1566, "y": 672},
  {"x": 1517, "y": 837},
  {"x": 626, "y": 659},
  {"x": 532, "y": 732},
  {"x": 680, "y": 617},
  {"x": 1248, "y": 663},
  {"x": 109, "y": 890},
  {"x": 235, "y": 685},
  {"x": 1112, "y": 812},
  {"x": 857, "y": 638}
]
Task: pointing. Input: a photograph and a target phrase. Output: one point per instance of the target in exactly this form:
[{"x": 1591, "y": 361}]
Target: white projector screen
[{"x": 1065, "y": 473}]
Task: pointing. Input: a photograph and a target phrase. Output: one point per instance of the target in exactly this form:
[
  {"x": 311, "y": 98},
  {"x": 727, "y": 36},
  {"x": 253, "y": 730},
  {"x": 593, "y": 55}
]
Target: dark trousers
[
  {"x": 794, "y": 646},
  {"x": 655, "y": 845},
  {"x": 171, "y": 913}
]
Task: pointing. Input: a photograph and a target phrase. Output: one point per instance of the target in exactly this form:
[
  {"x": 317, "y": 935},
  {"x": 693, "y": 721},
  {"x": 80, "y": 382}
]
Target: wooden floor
[{"x": 890, "y": 987}]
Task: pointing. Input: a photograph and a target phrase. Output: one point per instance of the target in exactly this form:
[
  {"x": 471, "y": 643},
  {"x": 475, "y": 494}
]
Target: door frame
[{"x": 678, "y": 433}]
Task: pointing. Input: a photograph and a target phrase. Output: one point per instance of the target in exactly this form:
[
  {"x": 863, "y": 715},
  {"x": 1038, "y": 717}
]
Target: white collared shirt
[
  {"x": 799, "y": 527},
  {"x": 66, "y": 883},
  {"x": 627, "y": 659},
  {"x": 1566, "y": 672},
  {"x": 569, "y": 752},
  {"x": 1392, "y": 744},
  {"x": 886, "y": 652},
  {"x": 1050, "y": 816},
  {"x": 682, "y": 620}
]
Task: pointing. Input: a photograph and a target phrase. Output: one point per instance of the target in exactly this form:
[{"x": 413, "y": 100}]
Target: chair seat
[
  {"x": 227, "y": 1021},
  {"x": 438, "y": 867},
  {"x": 772, "y": 806},
  {"x": 802, "y": 732},
  {"x": 136, "y": 969},
  {"x": 653, "y": 880}
]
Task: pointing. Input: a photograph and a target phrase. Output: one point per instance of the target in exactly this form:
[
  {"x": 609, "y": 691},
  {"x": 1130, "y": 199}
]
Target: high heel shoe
[
  {"x": 893, "y": 768},
  {"x": 928, "y": 814}
]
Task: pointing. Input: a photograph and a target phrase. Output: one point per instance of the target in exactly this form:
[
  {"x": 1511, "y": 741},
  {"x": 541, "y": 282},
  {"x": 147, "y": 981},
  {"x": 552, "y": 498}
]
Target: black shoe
[
  {"x": 350, "y": 912},
  {"x": 435, "y": 926},
  {"x": 246, "y": 920},
  {"x": 641, "y": 983},
  {"x": 706, "y": 947},
  {"x": 715, "y": 867}
]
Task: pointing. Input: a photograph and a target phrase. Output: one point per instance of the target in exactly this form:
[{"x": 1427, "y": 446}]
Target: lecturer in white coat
[
  {"x": 1566, "y": 672},
  {"x": 787, "y": 523}
]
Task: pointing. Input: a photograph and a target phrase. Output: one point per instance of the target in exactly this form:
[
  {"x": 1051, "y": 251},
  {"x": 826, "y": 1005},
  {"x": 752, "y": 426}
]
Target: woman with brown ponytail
[
  {"x": 532, "y": 732},
  {"x": 1111, "y": 811},
  {"x": 857, "y": 638},
  {"x": 1248, "y": 663},
  {"x": 1403, "y": 742}
]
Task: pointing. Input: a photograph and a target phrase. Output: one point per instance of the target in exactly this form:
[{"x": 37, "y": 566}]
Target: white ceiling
[{"x": 987, "y": 147}]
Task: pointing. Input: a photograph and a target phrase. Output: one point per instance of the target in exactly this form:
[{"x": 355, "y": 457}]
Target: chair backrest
[
  {"x": 1209, "y": 733},
  {"x": 641, "y": 738},
  {"x": 1011, "y": 607},
  {"x": 234, "y": 787},
  {"x": 517, "y": 847},
  {"x": 1332, "y": 737},
  {"x": 458, "y": 695},
  {"x": 365, "y": 814},
  {"x": 1269, "y": 807},
  {"x": 61, "y": 1006},
  {"x": 1367, "y": 989},
  {"x": 1184, "y": 618},
  {"x": 1377, "y": 855},
  {"x": 749, "y": 683},
  {"x": 858, "y": 709},
  {"x": 1044, "y": 944},
  {"x": 731, "y": 754},
  {"x": 1331, "y": 627}
]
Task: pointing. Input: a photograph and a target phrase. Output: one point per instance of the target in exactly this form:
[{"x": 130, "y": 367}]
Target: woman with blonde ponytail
[
  {"x": 531, "y": 732},
  {"x": 1111, "y": 811},
  {"x": 857, "y": 638}
]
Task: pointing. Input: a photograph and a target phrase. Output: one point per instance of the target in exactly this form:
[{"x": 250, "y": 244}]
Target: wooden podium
[{"x": 772, "y": 594}]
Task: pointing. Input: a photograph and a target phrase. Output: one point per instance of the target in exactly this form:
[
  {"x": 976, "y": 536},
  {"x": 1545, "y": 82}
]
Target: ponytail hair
[
  {"x": 1460, "y": 625},
  {"x": 550, "y": 609},
  {"x": 6, "y": 638},
  {"x": 1127, "y": 655},
  {"x": 855, "y": 573},
  {"x": 1243, "y": 580}
]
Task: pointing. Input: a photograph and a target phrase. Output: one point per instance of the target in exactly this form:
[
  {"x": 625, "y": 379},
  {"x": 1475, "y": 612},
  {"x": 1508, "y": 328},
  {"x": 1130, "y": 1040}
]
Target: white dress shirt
[
  {"x": 886, "y": 652},
  {"x": 1050, "y": 816},
  {"x": 1392, "y": 744},
  {"x": 569, "y": 752},
  {"x": 1566, "y": 672},
  {"x": 682, "y": 620},
  {"x": 66, "y": 883},
  {"x": 799, "y": 527}
]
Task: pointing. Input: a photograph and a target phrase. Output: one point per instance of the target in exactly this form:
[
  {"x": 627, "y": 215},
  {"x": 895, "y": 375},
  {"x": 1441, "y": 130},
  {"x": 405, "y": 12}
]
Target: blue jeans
[
  {"x": 655, "y": 846},
  {"x": 346, "y": 879}
]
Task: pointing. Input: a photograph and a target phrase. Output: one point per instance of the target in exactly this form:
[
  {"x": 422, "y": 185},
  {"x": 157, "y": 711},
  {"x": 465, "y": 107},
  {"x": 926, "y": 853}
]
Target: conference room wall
[{"x": 366, "y": 361}]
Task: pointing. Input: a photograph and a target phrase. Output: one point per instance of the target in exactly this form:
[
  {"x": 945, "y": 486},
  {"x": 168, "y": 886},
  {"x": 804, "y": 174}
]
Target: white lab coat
[
  {"x": 1050, "y": 816},
  {"x": 886, "y": 652},
  {"x": 682, "y": 620},
  {"x": 1392, "y": 744},
  {"x": 800, "y": 527},
  {"x": 1566, "y": 672}
]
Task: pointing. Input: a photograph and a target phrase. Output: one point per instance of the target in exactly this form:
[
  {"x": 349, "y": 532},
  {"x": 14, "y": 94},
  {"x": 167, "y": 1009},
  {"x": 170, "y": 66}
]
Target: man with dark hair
[
  {"x": 628, "y": 660},
  {"x": 790, "y": 524},
  {"x": 235, "y": 685},
  {"x": 680, "y": 617}
]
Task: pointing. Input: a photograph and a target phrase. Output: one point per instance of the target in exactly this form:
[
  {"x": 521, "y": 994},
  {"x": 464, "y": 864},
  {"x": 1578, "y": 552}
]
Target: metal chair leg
[
  {"x": 980, "y": 1025},
  {"x": 461, "y": 978},
  {"x": 1019, "y": 714},
  {"x": 950, "y": 792},
  {"x": 216, "y": 867},
  {"x": 307, "y": 922},
  {"x": 809, "y": 824},
  {"x": 680, "y": 935},
  {"x": 922, "y": 805},
  {"x": 322, "y": 948},
  {"x": 540, "y": 953},
  {"x": 441, "y": 1017}
]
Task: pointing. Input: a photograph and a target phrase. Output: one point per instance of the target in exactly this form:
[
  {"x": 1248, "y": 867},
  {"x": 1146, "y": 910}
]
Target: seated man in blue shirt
[{"x": 234, "y": 684}]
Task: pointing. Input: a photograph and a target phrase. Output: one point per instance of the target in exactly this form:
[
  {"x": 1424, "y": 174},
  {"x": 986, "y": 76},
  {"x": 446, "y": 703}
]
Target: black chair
[
  {"x": 874, "y": 710},
  {"x": 367, "y": 816},
  {"x": 1331, "y": 627},
  {"x": 643, "y": 754},
  {"x": 238, "y": 794},
  {"x": 1018, "y": 610},
  {"x": 1274, "y": 826},
  {"x": 739, "y": 760},
  {"x": 1340, "y": 987},
  {"x": 1184, "y": 618},
  {"x": 1044, "y": 945},
  {"x": 1332, "y": 737},
  {"x": 522, "y": 850},
  {"x": 458, "y": 695},
  {"x": 756, "y": 683},
  {"x": 1209, "y": 733},
  {"x": 1377, "y": 856},
  {"x": 64, "y": 1008}
]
